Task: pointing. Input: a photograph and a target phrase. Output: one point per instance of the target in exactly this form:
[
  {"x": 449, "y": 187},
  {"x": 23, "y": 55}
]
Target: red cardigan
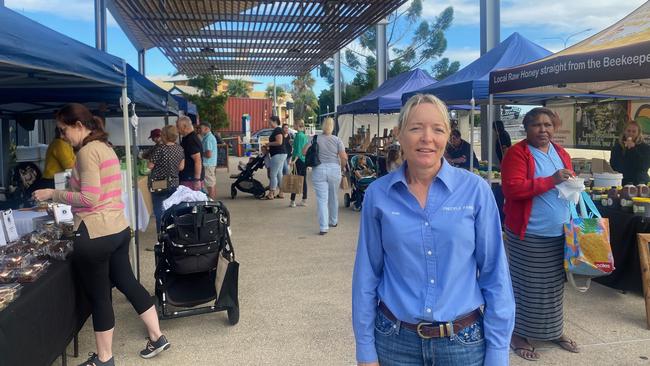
[{"x": 520, "y": 185}]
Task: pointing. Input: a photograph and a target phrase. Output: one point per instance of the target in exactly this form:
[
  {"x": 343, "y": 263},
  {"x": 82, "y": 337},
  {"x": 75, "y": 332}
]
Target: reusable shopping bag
[
  {"x": 587, "y": 250},
  {"x": 292, "y": 183}
]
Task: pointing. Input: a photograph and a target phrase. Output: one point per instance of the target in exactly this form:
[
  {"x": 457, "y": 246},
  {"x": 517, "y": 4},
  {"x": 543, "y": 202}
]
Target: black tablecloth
[
  {"x": 623, "y": 228},
  {"x": 36, "y": 328}
]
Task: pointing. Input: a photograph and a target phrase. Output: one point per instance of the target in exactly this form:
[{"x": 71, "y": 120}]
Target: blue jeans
[
  {"x": 285, "y": 167},
  {"x": 157, "y": 199},
  {"x": 326, "y": 179},
  {"x": 277, "y": 162},
  {"x": 398, "y": 346}
]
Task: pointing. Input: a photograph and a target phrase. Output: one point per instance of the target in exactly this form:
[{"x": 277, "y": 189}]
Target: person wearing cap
[
  {"x": 156, "y": 136},
  {"x": 209, "y": 142}
]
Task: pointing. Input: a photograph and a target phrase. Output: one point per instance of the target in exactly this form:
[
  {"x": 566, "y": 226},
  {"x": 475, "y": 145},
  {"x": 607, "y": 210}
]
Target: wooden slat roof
[{"x": 248, "y": 37}]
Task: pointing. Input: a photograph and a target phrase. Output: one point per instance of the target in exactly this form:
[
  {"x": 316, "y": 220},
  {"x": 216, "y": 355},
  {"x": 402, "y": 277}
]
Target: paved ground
[{"x": 295, "y": 302}]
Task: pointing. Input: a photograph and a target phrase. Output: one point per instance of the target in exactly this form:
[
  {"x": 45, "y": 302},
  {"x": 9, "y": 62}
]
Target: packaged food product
[
  {"x": 643, "y": 190},
  {"x": 13, "y": 261},
  {"x": 641, "y": 206},
  {"x": 28, "y": 274},
  {"x": 627, "y": 193},
  {"x": 7, "y": 275},
  {"x": 60, "y": 249}
]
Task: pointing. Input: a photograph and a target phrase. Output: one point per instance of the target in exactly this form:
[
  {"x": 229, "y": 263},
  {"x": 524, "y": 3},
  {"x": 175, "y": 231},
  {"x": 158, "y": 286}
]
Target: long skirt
[{"x": 537, "y": 271}]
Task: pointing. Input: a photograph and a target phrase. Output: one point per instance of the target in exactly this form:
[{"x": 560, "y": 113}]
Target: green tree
[
  {"x": 211, "y": 106},
  {"x": 238, "y": 88},
  {"x": 443, "y": 68},
  {"x": 305, "y": 103},
  {"x": 280, "y": 91},
  {"x": 413, "y": 42}
]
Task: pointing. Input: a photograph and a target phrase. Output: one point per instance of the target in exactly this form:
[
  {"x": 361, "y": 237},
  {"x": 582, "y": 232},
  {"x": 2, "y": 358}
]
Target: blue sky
[{"x": 547, "y": 23}]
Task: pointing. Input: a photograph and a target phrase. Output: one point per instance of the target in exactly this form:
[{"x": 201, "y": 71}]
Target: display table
[
  {"x": 25, "y": 225},
  {"x": 623, "y": 227},
  {"x": 36, "y": 328}
]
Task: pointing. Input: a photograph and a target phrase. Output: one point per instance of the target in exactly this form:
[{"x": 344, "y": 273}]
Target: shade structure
[
  {"x": 387, "y": 98},
  {"x": 473, "y": 80},
  {"x": 247, "y": 37},
  {"x": 614, "y": 61}
]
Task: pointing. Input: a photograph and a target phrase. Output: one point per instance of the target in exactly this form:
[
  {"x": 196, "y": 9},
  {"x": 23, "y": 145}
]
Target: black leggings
[
  {"x": 301, "y": 169},
  {"x": 101, "y": 263}
]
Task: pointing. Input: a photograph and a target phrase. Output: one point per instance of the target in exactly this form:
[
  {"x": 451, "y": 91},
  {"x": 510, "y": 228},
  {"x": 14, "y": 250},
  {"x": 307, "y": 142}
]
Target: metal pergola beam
[{"x": 208, "y": 36}]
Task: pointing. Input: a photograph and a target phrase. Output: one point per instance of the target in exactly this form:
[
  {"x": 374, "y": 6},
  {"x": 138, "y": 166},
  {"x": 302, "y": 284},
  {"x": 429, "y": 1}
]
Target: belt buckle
[{"x": 419, "y": 330}]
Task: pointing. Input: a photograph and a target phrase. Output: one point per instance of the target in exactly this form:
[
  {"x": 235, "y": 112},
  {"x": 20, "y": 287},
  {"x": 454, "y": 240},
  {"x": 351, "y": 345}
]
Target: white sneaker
[
  {"x": 292, "y": 204},
  {"x": 303, "y": 203}
]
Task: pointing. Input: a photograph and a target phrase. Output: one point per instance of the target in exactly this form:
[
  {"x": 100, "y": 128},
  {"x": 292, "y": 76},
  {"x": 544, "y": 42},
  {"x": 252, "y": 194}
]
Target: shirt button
[
  {"x": 426, "y": 224},
  {"x": 429, "y": 253},
  {"x": 433, "y": 281},
  {"x": 428, "y": 310}
]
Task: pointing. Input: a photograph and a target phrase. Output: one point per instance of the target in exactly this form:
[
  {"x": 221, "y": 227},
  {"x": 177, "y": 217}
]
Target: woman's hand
[
  {"x": 629, "y": 144},
  {"x": 561, "y": 175},
  {"x": 43, "y": 194}
]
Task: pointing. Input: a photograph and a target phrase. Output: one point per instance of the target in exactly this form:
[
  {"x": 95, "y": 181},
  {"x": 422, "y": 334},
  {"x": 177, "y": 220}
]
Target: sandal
[
  {"x": 268, "y": 197},
  {"x": 527, "y": 354},
  {"x": 568, "y": 344}
]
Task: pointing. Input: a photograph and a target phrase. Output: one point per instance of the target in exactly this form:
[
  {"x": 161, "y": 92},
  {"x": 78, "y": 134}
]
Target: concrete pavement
[{"x": 294, "y": 293}]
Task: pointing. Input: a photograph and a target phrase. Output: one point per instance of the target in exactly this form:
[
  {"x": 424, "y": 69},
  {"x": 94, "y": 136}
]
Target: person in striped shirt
[{"x": 101, "y": 243}]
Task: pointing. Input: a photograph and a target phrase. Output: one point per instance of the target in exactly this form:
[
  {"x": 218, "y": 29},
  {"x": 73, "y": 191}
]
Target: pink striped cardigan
[{"x": 96, "y": 193}]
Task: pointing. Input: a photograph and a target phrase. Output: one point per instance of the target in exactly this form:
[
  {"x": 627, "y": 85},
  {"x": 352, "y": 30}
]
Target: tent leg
[
  {"x": 129, "y": 176},
  {"x": 136, "y": 206},
  {"x": 490, "y": 136},
  {"x": 471, "y": 134}
]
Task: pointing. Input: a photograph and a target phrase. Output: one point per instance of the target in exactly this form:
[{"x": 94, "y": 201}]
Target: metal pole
[
  {"x": 100, "y": 25},
  {"x": 136, "y": 204},
  {"x": 141, "y": 61},
  {"x": 129, "y": 175},
  {"x": 471, "y": 133},
  {"x": 275, "y": 98},
  {"x": 337, "y": 80},
  {"x": 382, "y": 57},
  {"x": 490, "y": 133},
  {"x": 490, "y": 38}
]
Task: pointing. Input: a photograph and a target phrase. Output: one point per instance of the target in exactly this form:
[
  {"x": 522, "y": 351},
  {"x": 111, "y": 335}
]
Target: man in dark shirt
[
  {"x": 193, "y": 174},
  {"x": 458, "y": 152}
]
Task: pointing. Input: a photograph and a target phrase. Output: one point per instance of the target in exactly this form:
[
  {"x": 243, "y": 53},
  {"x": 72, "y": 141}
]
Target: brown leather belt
[{"x": 435, "y": 330}]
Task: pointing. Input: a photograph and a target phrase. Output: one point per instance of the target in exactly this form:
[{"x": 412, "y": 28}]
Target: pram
[
  {"x": 195, "y": 262},
  {"x": 357, "y": 185},
  {"x": 245, "y": 180}
]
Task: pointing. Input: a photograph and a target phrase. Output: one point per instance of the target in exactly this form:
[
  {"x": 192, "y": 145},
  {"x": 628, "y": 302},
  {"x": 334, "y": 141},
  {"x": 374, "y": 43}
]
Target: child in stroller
[
  {"x": 245, "y": 180},
  {"x": 363, "y": 171}
]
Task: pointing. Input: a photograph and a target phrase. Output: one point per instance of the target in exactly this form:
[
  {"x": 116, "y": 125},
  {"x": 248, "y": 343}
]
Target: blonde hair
[
  {"x": 422, "y": 99},
  {"x": 328, "y": 126},
  {"x": 169, "y": 133},
  {"x": 639, "y": 139}
]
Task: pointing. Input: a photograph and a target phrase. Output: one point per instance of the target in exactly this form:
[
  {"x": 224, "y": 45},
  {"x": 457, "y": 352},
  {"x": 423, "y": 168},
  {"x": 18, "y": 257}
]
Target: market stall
[{"x": 614, "y": 61}]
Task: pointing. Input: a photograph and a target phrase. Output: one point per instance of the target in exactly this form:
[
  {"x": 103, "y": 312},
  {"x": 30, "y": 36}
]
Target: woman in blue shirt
[{"x": 430, "y": 256}]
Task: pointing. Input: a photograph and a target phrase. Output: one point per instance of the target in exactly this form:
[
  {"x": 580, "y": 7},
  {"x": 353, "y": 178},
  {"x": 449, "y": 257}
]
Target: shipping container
[{"x": 259, "y": 111}]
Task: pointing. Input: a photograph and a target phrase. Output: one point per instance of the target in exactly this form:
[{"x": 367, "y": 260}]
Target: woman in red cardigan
[{"x": 534, "y": 220}]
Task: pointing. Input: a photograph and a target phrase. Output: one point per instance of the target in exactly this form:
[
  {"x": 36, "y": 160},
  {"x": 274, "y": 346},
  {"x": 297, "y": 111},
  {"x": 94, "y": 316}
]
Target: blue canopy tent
[
  {"x": 187, "y": 107},
  {"x": 387, "y": 97},
  {"x": 37, "y": 63},
  {"x": 473, "y": 80}
]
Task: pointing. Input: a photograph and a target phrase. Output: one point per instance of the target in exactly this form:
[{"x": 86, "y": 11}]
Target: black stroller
[
  {"x": 358, "y": 185},
  {"x": 195, "y": 262},
  {"x": 245, "y": 180}
]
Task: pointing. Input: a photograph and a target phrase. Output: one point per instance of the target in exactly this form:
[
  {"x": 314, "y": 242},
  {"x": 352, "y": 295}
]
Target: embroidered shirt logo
[
  {"x": 458, "y": 208},
  {"x": 394, "y": 213}
]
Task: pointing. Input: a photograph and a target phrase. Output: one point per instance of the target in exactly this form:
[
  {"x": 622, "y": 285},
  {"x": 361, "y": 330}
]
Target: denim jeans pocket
[
  {"x": 383, "y": 325},
  {"x": 471, "y": 335}
]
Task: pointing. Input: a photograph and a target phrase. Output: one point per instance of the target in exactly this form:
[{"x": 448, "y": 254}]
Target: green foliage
[
  {"x": 280, "y": 91},
  {"x": 413, "y": 42},
  {"x": 238, "y": 88},
  {"x": 305, "y": 103},
  {"x": 211, "y": 106},
  {"x": 443, "y": 68}
]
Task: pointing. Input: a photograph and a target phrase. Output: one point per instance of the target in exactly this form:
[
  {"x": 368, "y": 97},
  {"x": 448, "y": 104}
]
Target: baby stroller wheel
[
  {"x": 233, "y": 315},
  {"x": 233, "y": 192},
  {"x": 346, "y": 200}
]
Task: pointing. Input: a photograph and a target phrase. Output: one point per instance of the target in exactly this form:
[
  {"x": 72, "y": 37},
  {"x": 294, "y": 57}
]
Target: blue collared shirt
[
  {"x": 432, "y": 264},
  {"x": 210, "y": 143}
]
